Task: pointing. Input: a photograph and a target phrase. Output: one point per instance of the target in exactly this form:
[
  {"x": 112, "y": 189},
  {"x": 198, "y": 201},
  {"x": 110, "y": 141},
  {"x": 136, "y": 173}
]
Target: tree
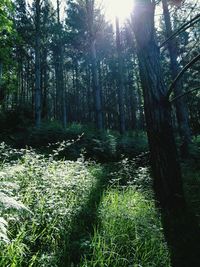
[
  {"x": 38, "y": 92},
  {"x": 59, "y": 70},
  {"x": 90, "y": 15},
  {"x": 181, "y": 106},
  {"x": 120, "y": 80},
  {"x": 6, "y": 28},
  {"x": 164, "y": 162}
]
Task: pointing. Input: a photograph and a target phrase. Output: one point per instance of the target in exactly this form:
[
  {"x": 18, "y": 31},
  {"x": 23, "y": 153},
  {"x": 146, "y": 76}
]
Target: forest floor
[{"x": 57, "y": 212}]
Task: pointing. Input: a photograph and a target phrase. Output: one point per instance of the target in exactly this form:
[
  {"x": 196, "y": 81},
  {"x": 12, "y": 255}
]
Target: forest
[{"x": 99, "y": 133}]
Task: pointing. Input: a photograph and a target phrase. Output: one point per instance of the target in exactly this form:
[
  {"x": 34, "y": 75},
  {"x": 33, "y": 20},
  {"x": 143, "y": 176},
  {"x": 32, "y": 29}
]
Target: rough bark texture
[
  {"x": 165, "y": 166},
  {"x": 120, "y": 81},
  {"x": 181, "y": 107}
]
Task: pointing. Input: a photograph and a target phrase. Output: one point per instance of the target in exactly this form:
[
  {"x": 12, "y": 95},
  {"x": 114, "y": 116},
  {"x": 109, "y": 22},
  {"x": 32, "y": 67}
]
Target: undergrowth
[
  {"x": 103, "y": 146},
  {"x": 40, "y": 198}
]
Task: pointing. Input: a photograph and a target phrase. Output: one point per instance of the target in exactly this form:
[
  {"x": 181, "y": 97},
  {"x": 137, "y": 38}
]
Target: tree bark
[{"x": 164, "y": 162}]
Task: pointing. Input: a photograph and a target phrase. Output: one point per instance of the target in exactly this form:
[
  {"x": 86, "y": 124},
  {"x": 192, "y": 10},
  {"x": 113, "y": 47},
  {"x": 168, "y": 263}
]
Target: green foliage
[
  {"x": 191, "y": 177},
  {"x": 98, "y": 145},
  {"x": 130, "y": 233},
  {"x": 40, "y": 199},
  {"x": 6, "y": 29},
  {"x": 128, "y": 173},
  {"x": 15, "y": 120},
  {"x": 102, "y": 146},
  {"x": 132, "y": 143}
]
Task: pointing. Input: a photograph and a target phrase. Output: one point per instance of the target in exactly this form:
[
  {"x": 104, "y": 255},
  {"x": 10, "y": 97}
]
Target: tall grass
[
  {"x": 129, "y": 231},
  {"x": 40, "y": 199}
]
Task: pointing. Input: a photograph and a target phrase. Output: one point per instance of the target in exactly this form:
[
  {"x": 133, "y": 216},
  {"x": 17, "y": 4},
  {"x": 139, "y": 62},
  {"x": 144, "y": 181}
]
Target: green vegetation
[
  {"x": 103, "y": 146},
  {"x": 40, "y": 199},
  {"x": 99, "y": 133},
  {"x": 130, "y": 232},
  {"x": 48, "y": 207}
]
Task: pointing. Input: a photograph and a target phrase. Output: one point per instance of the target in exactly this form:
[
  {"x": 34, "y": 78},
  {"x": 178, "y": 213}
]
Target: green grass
[
  {"x": 129, "y": 232},
  {"x": 40, "y": 199}
]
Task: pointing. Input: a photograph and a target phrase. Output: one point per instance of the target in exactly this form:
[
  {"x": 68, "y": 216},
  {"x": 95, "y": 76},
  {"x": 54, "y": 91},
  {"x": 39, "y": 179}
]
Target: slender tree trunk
[
  {"x": 181, "y": 106},
  {"x": 45, "y": 86},
  {"x": 59, "y": 69},
  {"x": 120, "y": 85},
  {"x": 141, "y": 122},
  {"x": 96, "y": 86},
  {"x": 37, "y": 68},
  {"x": 165, "y": 166}
]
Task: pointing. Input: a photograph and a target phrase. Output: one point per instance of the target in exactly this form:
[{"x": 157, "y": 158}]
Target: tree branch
[
  {"x": 184, "y": 27},
  {"x": 192, "y": 62},
  {"x": 184, "y": 94}
]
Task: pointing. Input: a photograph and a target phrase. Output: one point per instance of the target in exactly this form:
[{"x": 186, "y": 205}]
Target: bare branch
[
  {"x": 192, "y": 62},
  {"x": 184, "y": 94},
  {"x": 184, "y": 27}
]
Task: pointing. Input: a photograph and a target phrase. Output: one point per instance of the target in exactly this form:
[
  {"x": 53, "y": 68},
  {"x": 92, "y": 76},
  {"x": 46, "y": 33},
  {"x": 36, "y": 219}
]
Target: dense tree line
[{"x": 79, "y": 68}]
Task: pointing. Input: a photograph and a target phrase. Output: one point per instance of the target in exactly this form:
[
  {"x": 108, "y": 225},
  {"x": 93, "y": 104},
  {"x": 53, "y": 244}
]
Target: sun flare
[{"x": 119, "y": 8}]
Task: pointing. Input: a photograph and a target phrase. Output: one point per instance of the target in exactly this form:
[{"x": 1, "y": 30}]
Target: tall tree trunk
[
  {"x": 61, "y": 103},
  {"x": 45, "y": 85},
  {"x": 141, "y": 121},
  {"x": 120, "y": 84},
  {"x": 96, "y": 87},
  {"x": 164, "y": 162},
  {"x": 37, "y": 67},
  {"x": 181, "y": 107}
]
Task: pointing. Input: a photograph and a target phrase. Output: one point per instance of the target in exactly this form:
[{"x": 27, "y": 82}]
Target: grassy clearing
[
  {"x": 129, "y": 232},
  {"x": 40, "y": 199}
]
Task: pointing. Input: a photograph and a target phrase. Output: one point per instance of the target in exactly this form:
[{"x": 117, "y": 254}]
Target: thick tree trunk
[
  {"x": 37, "y": 68},
  {"x": 165, "y": 166},
  {"x": 120, "y": 84},
  {"x": 181, "y": 107}
]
